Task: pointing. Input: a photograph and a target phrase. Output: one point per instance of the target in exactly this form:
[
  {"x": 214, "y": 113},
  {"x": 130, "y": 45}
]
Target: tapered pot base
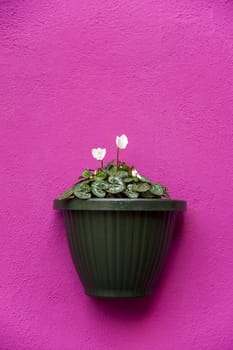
[
  {"x": 108, "y": 293},
  {"x": 119, "y": 247}
]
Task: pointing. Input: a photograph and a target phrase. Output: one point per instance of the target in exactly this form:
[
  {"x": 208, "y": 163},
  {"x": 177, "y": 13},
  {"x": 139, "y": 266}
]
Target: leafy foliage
[{"x": 114, "y": 181}]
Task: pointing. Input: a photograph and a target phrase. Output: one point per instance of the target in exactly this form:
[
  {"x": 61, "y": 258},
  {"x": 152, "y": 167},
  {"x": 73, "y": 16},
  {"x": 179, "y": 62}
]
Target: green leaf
[
  {"x": 129, "y": 192},
  {"x": 124, "y": 166},
  {"x": 67, "y": 193},
  {"x": 141, "y": 187},
  {"x": 148, "y": 194},
  {"x": 86, "y": 174},
  {"x": 116, "y": 184},
  {"x": 128, "y": 179},
  {"x": 112, "y": 170},
  {"x": 109, "y": 165},
  {"x": 166, "y": 192},
  {"x": 157, "y": 189},
  {"x": 98, "y": 188},
  {"x": 122, "y": 173},
  {"x": 82, "y": 191},
  {"x": 144, "y": 179},
  {"x": 100, "y": 175}
]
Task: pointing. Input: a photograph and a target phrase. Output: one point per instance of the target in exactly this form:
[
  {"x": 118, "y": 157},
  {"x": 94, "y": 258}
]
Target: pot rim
[{"x": 120, "y": 204}]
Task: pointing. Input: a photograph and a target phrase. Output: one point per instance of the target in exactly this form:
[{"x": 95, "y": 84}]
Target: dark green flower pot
[{"x": 119, "y": 246}]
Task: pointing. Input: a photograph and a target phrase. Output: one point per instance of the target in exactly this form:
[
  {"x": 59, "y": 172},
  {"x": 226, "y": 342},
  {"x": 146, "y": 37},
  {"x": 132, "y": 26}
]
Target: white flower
[
  {"x": 135, "y": 173},
  {"x": 98, "y": 153},
  {"x": 121, "y": 141}
]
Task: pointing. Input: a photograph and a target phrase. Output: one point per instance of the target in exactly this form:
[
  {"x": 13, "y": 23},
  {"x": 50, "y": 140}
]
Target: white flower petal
[
  {"x": 98, "y": 153},
  {"x": 122, "y": 141},
  {"x": 135, "y": 173}
]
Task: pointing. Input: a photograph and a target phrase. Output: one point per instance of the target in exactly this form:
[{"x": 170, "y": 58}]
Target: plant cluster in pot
[{"x": 119, "y": 226}]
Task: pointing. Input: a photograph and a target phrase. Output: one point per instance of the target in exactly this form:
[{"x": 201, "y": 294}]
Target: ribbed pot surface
[{"x": 119, "y": 253}]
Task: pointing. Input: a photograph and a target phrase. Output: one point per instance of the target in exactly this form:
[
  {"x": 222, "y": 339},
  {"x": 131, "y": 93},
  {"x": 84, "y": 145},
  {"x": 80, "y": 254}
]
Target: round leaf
[
  {"x": 82, "y": 191},
  {"x": 116, "y": 184},
  {"x": 98, "y": 188},
  {"x": 129, "y": 192},
  {"x": 141, "y": 187},
  {"x": 156, "y": 189}
]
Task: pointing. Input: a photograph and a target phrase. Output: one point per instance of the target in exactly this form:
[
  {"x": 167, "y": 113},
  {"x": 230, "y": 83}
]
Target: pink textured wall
[{"x": 73, "y": 75}]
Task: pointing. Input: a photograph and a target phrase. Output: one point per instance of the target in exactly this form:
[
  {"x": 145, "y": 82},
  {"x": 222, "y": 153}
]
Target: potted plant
[{"x": 119, "y": 226}]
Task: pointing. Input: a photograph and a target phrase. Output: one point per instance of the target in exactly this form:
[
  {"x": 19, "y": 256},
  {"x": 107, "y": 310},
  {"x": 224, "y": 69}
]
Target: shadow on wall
[{"x": 129, "y": 309}]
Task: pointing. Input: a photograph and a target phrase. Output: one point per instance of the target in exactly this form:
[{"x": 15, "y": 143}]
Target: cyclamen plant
[{"x": 115, "y": 180}]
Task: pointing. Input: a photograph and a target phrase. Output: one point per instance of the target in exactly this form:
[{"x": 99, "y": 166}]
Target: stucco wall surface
[{"x": 73, "y": 75}]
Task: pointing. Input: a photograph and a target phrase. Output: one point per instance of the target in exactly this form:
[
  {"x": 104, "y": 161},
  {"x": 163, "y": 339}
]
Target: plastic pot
[{"x": 119, "y": 246}]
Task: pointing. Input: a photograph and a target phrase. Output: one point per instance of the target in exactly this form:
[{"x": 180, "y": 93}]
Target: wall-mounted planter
[{"x": 119, "y": 246}]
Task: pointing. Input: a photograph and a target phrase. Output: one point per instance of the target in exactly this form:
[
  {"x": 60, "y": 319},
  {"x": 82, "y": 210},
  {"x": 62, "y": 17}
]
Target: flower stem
[{"x": 118, "y": 151}]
